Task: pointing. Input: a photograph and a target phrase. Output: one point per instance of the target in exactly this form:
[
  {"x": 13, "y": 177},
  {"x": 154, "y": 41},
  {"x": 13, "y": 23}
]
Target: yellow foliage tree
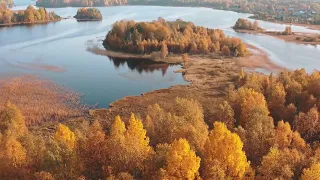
[
  {"x": 65, "y": 136},
  {"x": 13, "y": 153},
  {"x": 226, "y": 114},
  {"x": 43, "y": 176},
  {"x": 127, "y": 149},
  {"x": 93, "y": 151},
  {"x": 137, "y": 134},
  {"x": 115, "y": 145},
  {"x": 182, "y": 162},
  {"x": 191, "y": 125},
  {"x": 136, "y": 142},
  {"x": 313, "y": 86},
  {"x": 121, "y": 176},
  {"x": 117, "y": 128},
  {"x": 286, "y": 138},
  {"x": 259, "y": 134},
  {"x": 12, "y": 121},
  {"x": 283, "y": 135},
  {"x": 242, "y": 50},
  {"x": 276, "y": 100},
  {"x": 223, "y": 150},
  {"x": 251, "y": 102},
  {"x": 256, "y": 82},
  {"x": 307, "y": 124},
  {"x": 186, "y": 121},
  {"x": 281, "y": 164},
  {"x": 312, "y": 173}
]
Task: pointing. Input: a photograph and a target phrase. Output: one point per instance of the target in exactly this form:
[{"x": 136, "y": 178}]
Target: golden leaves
[
  {"x": 65, "y": 136},
  {"x": 224, "y": 149},
  {"x": 182, "y": 162},
  {"x": 12, "y": 122},
  {"x": 14, "y": 153},
  {"x": 312, "y": 173}
]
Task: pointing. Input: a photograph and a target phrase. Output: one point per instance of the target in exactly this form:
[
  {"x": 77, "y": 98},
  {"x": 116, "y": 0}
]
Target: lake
[{"x": 59, "y": 51}]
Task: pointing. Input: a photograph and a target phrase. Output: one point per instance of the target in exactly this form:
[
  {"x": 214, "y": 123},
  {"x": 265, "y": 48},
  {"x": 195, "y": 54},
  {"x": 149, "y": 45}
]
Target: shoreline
[
  {"x": 208, "y": 77},
  {"x": 288, "y": 38},
  {"x": 293, "y": 37},
  {"x": 308, "y": 26},
  {"x": 29, "y": 23},
  {"x": 257, "y": 58},
  {"x": 171, "y": 59},
  {"x": 83, "y": 20}
]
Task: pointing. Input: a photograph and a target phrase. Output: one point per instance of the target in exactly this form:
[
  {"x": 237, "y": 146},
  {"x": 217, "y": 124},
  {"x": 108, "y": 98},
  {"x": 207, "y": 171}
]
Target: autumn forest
[
  {"x": 165, "y": 37},
  {"x": 215, "y": 117},
  {"x": 266, "y": 127}
]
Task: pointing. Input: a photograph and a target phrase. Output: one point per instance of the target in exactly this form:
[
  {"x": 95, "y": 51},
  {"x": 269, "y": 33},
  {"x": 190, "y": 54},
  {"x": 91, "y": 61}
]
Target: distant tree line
[
  {"x": 88, "y": 13},
  {"x": 30, "y": 15},
  {"x": 8, "y": 3},
  {"x": 176, "y": 37},
  {"x": 81, "y": 3},
  {"x": 212, "y": 3}
]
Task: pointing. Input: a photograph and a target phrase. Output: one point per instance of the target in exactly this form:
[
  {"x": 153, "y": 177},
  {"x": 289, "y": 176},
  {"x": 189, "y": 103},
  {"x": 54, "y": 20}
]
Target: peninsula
[{"x": 246, "y": 26}]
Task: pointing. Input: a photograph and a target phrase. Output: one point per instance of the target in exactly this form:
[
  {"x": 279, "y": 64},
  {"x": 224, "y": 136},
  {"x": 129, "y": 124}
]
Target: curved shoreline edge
[
  {"x": 288, "y": 38},
  {"x": 172, "y": 59},
  {"x": 208, "y": 77},
  {"x": 31, "y": 23}
]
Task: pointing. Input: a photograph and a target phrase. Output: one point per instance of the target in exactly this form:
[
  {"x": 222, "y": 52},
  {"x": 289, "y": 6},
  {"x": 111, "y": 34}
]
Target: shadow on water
[{"x": 140, "y": 65}]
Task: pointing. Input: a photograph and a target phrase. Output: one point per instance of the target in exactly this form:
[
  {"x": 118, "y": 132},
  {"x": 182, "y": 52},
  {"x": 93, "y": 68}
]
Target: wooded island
[
  {"x": 88, "y": 14},
  {"x": 161, "y": 38}
]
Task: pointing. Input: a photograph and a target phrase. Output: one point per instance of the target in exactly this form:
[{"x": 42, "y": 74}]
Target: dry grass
[
  {"x": 258, "y": 59},
  {"x": 298, "y": 37},
  {"x": 40, "y": 100},
  {"x": 209, "y": 77}
]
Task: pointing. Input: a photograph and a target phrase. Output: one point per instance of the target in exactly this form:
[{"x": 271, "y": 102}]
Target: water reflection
[
  {"x": 62, "y": 45},
  {"x": 140, "y": 65}
]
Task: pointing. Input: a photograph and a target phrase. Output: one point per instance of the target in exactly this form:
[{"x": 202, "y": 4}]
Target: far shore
[
  {"x": 88, "y": 19},
  {"x": 308, "y": 26},
  {"x": 293, "y": 37},
  {"x": 288, "y": 38}
]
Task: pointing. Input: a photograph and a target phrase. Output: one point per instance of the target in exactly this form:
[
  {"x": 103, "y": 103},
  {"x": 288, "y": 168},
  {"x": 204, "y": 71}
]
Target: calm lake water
[{"x": 58, "y": 51}]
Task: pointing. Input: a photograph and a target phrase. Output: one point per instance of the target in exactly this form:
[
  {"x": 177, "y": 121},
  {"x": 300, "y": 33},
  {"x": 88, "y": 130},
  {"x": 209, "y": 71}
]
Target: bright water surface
[{"x": 58, "y": 51}]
